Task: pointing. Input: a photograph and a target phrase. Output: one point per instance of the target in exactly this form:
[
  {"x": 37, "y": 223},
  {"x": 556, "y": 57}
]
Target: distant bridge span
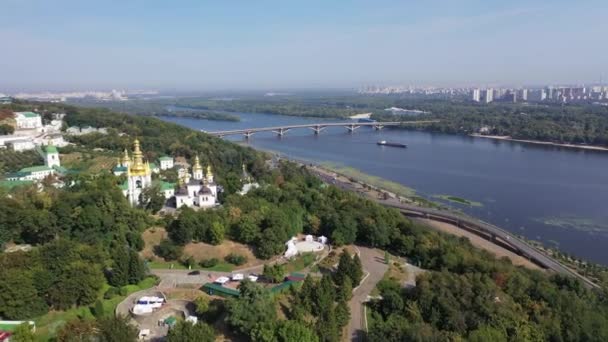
[{"x": 316, "y": 127}]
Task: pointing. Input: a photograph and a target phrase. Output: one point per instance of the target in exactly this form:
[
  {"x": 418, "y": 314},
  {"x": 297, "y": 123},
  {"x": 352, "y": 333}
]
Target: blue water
[{"x": 521, "y": 186}]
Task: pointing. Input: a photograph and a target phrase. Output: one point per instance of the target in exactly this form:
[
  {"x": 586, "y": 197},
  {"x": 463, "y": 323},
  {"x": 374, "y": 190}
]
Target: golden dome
[
  {"x": 138, "y": 167},
  {"x": 197, "y": 164},
  {"x": 125, "y": 158}
]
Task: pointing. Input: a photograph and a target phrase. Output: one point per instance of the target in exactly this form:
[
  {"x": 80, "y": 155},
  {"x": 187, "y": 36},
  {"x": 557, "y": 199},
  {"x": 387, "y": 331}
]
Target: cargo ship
[{"x": 392, "y": 144}]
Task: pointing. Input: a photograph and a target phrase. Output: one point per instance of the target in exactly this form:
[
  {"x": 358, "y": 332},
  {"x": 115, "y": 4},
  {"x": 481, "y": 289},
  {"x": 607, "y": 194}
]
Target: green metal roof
[
  {"x": 153, "y": 166},
  {"x": 166, "y": 186},
  {"x": 11, "y": 184},
  {"x": 124, "y": 186},
  {"x": 120, "y": 168},
  {"x": 212, "y": 288},
  {"x": 281, "y": 287},
  {"x": 28, "y": 114},
  {"x": 163, "y": 158},
  {"x": 17, "y": 174},
  {"x": 35, "y": 169},
  {"x": 60, "y": 169},
  {"x": 171, "y": 320},
  {"x": 51, "y": 149}
]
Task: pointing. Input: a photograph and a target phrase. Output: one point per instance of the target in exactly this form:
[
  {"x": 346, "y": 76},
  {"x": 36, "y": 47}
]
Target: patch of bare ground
[
  {"x": 396, "y": 272},
  {"x": 152, "y": 237},
  {"x": 333, "y": 257},
  {"x": 199, "y": 250},
  {"x": 480, "y": 242},
  {"x": 184, "y": 294}
]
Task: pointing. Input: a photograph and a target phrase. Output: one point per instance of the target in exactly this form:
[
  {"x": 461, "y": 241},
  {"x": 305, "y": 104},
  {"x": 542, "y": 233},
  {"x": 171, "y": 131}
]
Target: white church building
[
  {"x": 139, "y": 175},
  {"x": 198, "y": 189},
  {"x": 195, "y": 190}
]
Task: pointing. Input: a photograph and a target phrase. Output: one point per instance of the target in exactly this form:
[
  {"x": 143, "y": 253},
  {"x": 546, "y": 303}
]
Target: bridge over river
[{"x": 318, "y": 127}]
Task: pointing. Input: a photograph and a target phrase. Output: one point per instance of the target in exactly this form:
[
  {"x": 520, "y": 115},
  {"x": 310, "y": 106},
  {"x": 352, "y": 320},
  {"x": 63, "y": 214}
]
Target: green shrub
[
  {"x": 111, "y": 293},
  {"x": 188, "y": 262},
  {"x": 236, "y": 259},
  {"x": 168, "y": 250},
  {"x": 208, "y": 263}
]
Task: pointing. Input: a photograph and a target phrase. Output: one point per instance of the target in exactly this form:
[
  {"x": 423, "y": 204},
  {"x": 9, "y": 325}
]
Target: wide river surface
[{"x": 555, "y": 195}]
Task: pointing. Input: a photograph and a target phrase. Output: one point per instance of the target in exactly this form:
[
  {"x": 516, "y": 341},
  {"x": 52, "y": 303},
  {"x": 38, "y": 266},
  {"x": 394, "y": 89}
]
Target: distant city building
[
  {"x": 524, "y": 94},
  {"x": 28, "y": 120},
  {"x": 488, "y": 95},
  {"x": 476, "y": 94}
]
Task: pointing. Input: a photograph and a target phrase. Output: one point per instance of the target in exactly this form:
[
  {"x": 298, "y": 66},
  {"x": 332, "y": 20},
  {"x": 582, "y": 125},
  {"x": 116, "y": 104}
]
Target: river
[{"x": 555, "y": 195}]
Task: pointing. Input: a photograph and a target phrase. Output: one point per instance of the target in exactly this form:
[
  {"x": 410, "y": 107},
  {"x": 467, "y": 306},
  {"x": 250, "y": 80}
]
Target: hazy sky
[{"x": 226, "y": 44}]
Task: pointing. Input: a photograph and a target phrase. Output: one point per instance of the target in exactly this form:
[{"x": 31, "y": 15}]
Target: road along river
[{"x": 557, "y": 196}]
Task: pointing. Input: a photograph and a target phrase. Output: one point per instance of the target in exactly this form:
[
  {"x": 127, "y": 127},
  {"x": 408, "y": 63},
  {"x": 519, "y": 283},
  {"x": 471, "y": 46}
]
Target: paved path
[
  {"x": 372, "y": 261},
  {"x": 171, "y": 278}
]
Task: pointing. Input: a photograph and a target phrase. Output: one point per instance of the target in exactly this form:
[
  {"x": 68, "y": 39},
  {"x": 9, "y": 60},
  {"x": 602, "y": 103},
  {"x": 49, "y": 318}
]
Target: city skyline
[{"x": 71, "y": 45}]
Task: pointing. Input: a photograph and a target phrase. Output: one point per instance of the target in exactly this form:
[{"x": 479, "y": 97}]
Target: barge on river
[{"x": 392, "y": 144}]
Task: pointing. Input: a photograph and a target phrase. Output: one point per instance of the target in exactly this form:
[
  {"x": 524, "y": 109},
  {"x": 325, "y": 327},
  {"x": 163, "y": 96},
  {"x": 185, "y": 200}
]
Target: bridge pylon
[
  {"x": 352, "y": 127},
  {"x": 248, "y": 134},
  {"x": 378, "y": 127},
  {"x": 281, "y": 131},
  {"x": 317, "y": 129}
]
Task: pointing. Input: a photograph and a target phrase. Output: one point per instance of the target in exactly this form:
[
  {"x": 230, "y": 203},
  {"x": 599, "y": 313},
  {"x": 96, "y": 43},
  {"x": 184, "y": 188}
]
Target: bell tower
[
  {"x": 197, "y": 169},
  {"x": 139, "y": 175}
]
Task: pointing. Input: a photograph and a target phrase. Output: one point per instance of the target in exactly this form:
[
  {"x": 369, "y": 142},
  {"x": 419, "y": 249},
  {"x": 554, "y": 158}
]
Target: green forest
[
  {"x": 85, "y": 240},
  {"x": 554, "y": 122}
]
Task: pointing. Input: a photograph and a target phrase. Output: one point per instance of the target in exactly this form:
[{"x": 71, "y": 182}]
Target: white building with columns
[{"x": 197, "y": 190}]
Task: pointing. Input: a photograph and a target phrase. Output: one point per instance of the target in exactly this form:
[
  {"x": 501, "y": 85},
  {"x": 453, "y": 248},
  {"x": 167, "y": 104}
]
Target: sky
[{"x": 232, "y": 44}]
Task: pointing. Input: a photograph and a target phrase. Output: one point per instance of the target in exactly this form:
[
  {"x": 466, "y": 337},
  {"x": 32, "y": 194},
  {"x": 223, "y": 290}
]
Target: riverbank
[
  {"x": 374, "y": 193},
  {"x": 378, "y": 182},
  {"x": 212, "y": 116},
  {"x": 538, "y": 142},
  {"x": 480, "y": 242}
]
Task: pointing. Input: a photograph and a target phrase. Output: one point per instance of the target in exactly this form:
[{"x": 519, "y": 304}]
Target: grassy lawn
[
  {"x": 47, "y": 325},
  {"x": 222, "y": 266},
  {"x": 88, "y": 162},
  {"x": 300, "y": 262},
  {"x": 378, "y": 182},
  {"x": 459, "y": 200}
]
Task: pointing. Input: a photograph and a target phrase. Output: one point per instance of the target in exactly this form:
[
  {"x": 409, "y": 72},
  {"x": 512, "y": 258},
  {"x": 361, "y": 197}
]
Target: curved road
[{"x": 374, "y": 264}]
